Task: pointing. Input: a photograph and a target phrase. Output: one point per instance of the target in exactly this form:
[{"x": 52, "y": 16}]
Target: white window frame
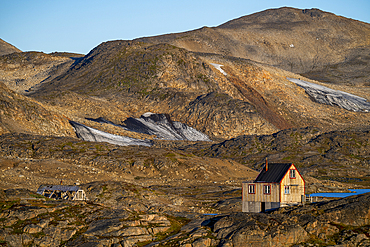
[
  {"x": 286, "y": 189},
  {"x": 251, "y": 189},
  {"x": 292, "y": 173},
  {"x": 267, "y": 189}
]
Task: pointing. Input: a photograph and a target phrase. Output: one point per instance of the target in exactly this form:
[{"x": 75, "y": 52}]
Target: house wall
[
  {"x": 296, "y": 186},
  {"x": 259, "y": 196},
  {"x": 253, "y": 202},
  {"x": 258, "y": 207}
]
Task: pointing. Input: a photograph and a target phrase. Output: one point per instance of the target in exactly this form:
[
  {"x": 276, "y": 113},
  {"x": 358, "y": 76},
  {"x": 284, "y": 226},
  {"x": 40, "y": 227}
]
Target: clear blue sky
[{"x": 80, "y": 25}]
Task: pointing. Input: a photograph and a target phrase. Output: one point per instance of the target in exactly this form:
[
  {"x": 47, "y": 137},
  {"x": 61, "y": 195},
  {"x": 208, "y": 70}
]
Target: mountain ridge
[
  {"x": 316, "y": 40},
  {"x": 6, "y": 48}
]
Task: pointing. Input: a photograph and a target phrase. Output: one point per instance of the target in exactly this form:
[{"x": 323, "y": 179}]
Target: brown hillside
[
  {"x": 301, "y": 41},
  {"x": 134, "y": 77},
  {"x": 21, "y": 71},
  {"x": 21, "y": 114}
]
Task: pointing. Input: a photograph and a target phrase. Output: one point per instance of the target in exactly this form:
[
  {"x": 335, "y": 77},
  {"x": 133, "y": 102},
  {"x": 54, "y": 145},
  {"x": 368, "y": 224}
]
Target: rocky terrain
[
  {"x": 327, "y": 47},
  {"x": 6, "y": 48},
  {"x": 161, "y": 131},
  {"x": 22, "y": 114},
  {"x": 28, "y": 220},
  {"x": 23, "y": 70}
]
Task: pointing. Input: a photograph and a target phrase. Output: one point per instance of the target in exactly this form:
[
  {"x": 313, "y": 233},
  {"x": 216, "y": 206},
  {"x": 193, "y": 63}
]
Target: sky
[{"x": 80, "y": 25}]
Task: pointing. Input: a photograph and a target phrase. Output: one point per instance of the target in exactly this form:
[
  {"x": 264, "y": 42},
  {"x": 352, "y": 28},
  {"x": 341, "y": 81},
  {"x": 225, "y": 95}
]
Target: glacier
[
  {"x": 93, "y": 135},
  {"x": 325, "y": 95},
  {"x": 161, "y": 126}
]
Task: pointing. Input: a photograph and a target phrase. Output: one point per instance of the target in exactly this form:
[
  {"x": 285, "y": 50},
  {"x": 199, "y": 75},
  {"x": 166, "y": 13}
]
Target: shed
[
  {"x": 66, "y": 192},
  {"x": 277, "y": 185}
]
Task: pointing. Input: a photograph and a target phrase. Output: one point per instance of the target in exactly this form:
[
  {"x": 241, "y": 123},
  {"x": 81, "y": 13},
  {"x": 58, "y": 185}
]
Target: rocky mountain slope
[
  {"x": 22, "y": 114},
  {"x": 6, "y": 48},
  {"x": 245, "y": 97},
  {"x": 21, "y": 71},
  {"x": 134, "y": 78},
  {"x": 328, "y": 47}
]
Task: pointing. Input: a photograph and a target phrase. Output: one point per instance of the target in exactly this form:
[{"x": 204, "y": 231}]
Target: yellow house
[{"x": 277, "y": 185}]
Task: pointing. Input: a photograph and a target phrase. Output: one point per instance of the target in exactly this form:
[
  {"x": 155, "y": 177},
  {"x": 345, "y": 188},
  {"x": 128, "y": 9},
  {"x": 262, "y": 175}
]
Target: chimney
[{"x": 266, "y": 165}]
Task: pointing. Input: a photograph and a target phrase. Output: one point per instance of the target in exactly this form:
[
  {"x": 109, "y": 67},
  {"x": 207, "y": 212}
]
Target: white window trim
[
  {"x": 250, "y": 190},
  {"x": 267, "y": 189},
  {"x": 286, "y": 189}
]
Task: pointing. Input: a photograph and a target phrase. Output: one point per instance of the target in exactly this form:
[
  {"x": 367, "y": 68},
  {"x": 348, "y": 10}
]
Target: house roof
[
  {"x": 274, "y": 174},
  {"x": 58, "y": 187}
]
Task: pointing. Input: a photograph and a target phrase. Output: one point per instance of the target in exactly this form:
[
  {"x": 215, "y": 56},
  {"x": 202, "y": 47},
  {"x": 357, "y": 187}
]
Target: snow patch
[
  {"x": 147, "y": 114},
  {"x": 164, "y": 128},
  {"x": 93, "y": 135},
  {"x": 218, "y": 67},
  {"x": 161, "y": 126},
  {"x": 325, "y": 95}
]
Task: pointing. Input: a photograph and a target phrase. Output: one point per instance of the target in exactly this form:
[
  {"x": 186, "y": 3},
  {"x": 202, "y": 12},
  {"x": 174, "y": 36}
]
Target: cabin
[
  {"x": 277, "y": 185},
  {"x": 65, "y": 192}
]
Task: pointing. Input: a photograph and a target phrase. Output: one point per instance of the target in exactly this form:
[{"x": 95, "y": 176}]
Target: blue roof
[{"x": 58, "y": 187}]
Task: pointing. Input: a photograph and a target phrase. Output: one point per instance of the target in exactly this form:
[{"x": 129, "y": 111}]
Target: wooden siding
[
  {"x": 296, "y": 187},
  {"x": 259, "y": 195}
]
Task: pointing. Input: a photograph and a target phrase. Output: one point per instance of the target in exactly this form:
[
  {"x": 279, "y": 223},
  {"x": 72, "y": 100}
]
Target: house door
[{"x": 263, "y": 207}]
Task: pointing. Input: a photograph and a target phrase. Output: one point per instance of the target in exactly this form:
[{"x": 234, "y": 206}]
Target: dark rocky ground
[
  {"x": 29, "y": 220},
  {"x": 163, "y": 195}
]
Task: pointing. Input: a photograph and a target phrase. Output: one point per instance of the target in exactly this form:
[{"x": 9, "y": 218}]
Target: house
[
  {"x": 277, "y": 185},
  {"x": 66, "y": 192}
]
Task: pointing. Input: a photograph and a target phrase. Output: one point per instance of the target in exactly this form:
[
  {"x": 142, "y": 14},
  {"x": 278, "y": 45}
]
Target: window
[
  {"x": 251, "y": 189},
  {"x": 267, "y": 189},
  {"x": 286, "y": 189},
  {"x": 292, "y": 174}
]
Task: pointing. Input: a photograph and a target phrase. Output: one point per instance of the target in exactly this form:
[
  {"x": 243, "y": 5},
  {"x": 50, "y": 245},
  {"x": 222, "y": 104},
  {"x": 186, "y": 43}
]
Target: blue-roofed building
[
  {"x": 65, "y": 192},
  {"x": 277, "y": 185}
]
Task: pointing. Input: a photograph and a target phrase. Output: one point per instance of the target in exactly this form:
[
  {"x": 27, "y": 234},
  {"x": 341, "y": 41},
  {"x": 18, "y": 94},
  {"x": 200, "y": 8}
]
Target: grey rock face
[{"x": 330, "y": 96}]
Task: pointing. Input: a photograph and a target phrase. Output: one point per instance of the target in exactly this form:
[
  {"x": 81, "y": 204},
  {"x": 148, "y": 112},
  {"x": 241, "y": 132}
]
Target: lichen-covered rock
[
  {"x": 105, "y": 226},
  {"x": 46, "y": 241},
  {"x": 32, "y": 228},
  {"x": 14, "y": 240}
]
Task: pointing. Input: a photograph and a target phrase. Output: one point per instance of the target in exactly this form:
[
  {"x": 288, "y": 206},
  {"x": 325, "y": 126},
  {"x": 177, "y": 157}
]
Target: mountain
[
  {"x": 227, "y": 85},
  {"x": 245, "y": 97},
  {"x": 321, "y": 45},
  {"x": 6, "y": 48},
  {"x": 136, "y": 78}
]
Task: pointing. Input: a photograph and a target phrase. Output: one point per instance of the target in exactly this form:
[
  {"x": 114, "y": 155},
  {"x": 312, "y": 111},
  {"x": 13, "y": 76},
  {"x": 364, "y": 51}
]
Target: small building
[
  {"x": 277, "y": 185},
  {"x": 65, "y": 192}
]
